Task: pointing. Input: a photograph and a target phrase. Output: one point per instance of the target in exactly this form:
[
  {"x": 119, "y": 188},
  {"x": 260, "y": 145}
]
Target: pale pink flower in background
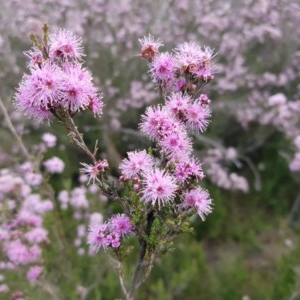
[
  {"x": 297, "y": 142},
  {"x": 277, "y": 99},
  {"x": 36, "y": 235},
  {"x": 54, "y": 165},
  {"x": 49, "y": 139},
  {"x": 96, "y": 219},
  {"x": 63, "y": 198},
  {"x": 4, "y": 288},
  {"x": 34, "y": 179},
  {"x": 78, "y": 198},
  {"x": 295, "y": 163},
  {"x": 33, "y": 273}
]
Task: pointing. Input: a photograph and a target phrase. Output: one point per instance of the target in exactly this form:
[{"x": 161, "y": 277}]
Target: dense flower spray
[
  {"x": 57, "y": 82},
  {"x": 159, "y": 188}
]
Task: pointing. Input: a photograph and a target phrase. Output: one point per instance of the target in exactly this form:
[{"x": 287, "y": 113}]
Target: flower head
[
  {"x": 64, "y": 44},
  {"x": 198, "y": 199},
  {"x": 93, "y": 171},
  {"x": 162, "y": 67},
  {"x": 136, "y": 162},
  {"x": 149, "y": 46},
  {"x": 197, "y": 116},
  {"x": 158, "y": 187},
  {"x": 121, "y": 225},
  {"x": 54, "y": 165}
]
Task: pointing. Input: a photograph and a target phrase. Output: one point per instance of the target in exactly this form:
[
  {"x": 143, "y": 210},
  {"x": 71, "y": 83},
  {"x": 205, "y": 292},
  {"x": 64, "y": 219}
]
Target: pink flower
[
  {"x": 176, "y": 145},
  {"x": 33, "y": 273},
  {"x": 178, "y": 104},
  {"x": 121, "y": 225},
  {"x": 42, "y": 88},
  {"x": 36, "y": 235},
  {"x": 33, "y": 179},
  {"x": 4, "y": 288},
  {"x": 96, "y": 105},
  {"x": 97, "y": 237},
  {"x": 64, "y": 44},
  {"x": 149, "y": 46},
  {"x": 93, "y": 171},
  {"x": 188, "y": 56},
  {"x": 136, "y": 162},
  {"x": 20, "y": 254},
  {"x": 157, "y": 122},
  {"x": 198, "y": 199},
  {"x": 49, "y": 139},
  {"x": 78, "y": 87},
  {"x": 35, "y": 56},
  {"x": 197, "y": 117},
  {"x": 78, "y": 198},
  {"x": 158, "y": 187},
  {"x": 162, "y": 67},
  {"x": 54, "y": 165},
  {"x": 184, "y": 170}
]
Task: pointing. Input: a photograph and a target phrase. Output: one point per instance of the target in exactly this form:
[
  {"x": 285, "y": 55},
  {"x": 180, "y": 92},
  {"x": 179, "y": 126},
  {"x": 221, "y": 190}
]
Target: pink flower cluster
[
  {"x": 57, "y": 80},
  {"x": 182, "y": 70},
  {"x": 22, "y": 234},
  {"x": 171, "y": 179},
  {"x": 109, "y": 234}
]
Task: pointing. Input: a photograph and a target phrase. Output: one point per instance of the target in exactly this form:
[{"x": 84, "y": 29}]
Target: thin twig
[{"x": 14, "y": 132}]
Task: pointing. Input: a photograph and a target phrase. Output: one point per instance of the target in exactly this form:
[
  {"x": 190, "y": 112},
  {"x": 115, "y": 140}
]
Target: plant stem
[
  {"x": 138, "y": 276},
  {"x": 14, "y": 132},
  {"x": 76, "y": 136}
]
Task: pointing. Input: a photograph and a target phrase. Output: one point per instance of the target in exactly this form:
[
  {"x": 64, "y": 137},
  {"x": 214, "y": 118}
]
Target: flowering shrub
[{"x": 159, "y": 188}]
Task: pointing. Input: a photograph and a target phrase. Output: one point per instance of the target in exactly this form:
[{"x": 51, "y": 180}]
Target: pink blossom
[
  {"x": 177, "y": 145},
  {"x": 20, "y": 254},
  {"x": 200, "y": 200},
  {"x": 36, "y": 235},
  {"x": 178, "y": 104},
  {"x": 33, "y": 273},
  {"x": 78, "y": 198},
  {"x": 149, "y": 46},
  {"x": 158, "y": 187},
  {"x": 162, "y": 67},
  {"x": 63, "y": 198},
  {"x": 64, "y": 44},
  {"x": 4, "y": 288},
  {"x": 78, "y": 87},
  {"x": 136, "y": 162},
  {"x": 197, "y": 117},
  {"x": 54, "y": 165},
  {"x": 93, "y": 171},
  {"x": 33, "y": 179},
  {"x": 49, "y": 139},
  {"x": 121, "y": 225},
  {"x": 185, "y": 170},
  {"x": 157, "y": 122},
  {"x": 97, "y": 237}
]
